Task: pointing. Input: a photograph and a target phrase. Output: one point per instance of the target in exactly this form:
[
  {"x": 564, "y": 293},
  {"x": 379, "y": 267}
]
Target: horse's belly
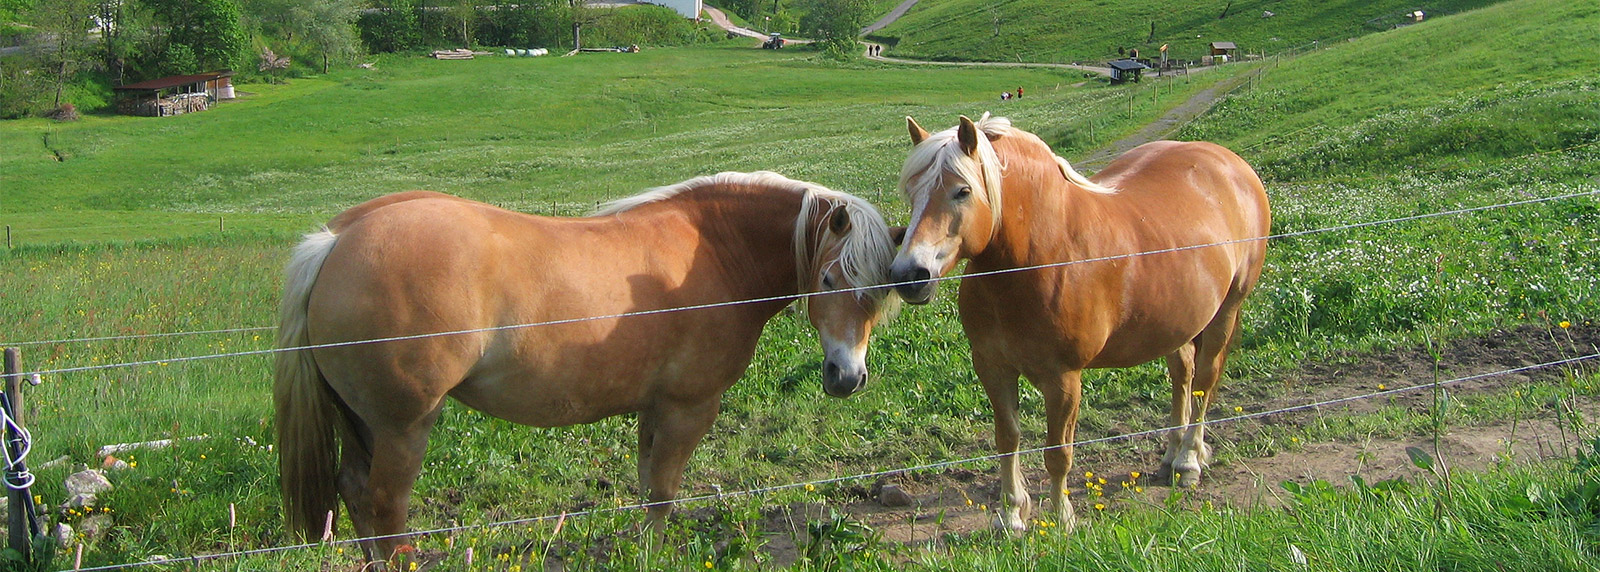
[{"x": 546, "y": 401}]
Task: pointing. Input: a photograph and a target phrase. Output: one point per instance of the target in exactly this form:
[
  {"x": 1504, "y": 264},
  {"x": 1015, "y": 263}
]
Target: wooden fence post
[{"x": 19, "y": 528}]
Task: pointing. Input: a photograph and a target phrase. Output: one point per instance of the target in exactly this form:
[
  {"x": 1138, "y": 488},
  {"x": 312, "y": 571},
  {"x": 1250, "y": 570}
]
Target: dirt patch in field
[{"x": 960, "y": 501}]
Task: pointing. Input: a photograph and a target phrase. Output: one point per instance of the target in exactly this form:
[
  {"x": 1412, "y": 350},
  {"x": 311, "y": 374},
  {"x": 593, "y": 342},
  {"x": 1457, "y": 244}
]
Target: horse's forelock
[
  {"x": 940, "y": 156},
  {"x": 865, "y": 250}
]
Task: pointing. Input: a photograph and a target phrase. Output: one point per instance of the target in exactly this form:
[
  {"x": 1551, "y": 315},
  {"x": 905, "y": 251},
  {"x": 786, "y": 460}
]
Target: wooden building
[
  {"x": 1123, "y": 71},
  {"x": 1224, "y": 49},
  {"x": 174, "y": 95}
]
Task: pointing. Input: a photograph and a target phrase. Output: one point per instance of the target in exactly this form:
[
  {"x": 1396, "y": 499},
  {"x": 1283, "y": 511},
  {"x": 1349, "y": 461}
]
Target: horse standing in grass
[
  {"x": 999, "y": 197},
  {"x": 353, "y": 420}
]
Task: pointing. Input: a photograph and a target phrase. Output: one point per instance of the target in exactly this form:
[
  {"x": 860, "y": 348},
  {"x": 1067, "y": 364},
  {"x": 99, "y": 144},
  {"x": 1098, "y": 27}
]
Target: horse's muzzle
[
  {"x": 842, "y": 381},
  {"x": 914, "y": 283}
]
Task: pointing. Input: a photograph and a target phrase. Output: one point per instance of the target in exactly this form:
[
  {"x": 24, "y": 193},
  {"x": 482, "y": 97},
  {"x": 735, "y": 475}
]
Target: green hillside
[
  {"x": 1056, "y": 31},
  {"x": 1446, "y": 95}
]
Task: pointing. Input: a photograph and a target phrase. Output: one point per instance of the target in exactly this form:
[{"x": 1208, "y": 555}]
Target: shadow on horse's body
[
  {"x": 999, "y": 197},
  {"x": 353, "y": 420}
]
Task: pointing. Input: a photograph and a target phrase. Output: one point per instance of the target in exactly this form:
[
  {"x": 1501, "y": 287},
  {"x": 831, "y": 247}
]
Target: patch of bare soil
[{"x": 940, "y": 501}]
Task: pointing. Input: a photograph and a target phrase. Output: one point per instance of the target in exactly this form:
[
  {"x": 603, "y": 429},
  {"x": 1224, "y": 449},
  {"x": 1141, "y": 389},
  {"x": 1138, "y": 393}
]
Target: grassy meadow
[
  {"x": 123, "y": 237},
  {"x": 975, "y": 30}
]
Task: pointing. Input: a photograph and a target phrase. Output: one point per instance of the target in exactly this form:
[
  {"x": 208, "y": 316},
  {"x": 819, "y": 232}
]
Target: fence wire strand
[
  {"x": 761, "y": 491},
  {"x": 792, "y": 297}
]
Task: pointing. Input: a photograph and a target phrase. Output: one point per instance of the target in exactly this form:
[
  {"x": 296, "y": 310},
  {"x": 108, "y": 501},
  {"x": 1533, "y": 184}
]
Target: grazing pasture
[
  {"x": 1041, "y": 30},
  {"x": 134, "y": 250}
]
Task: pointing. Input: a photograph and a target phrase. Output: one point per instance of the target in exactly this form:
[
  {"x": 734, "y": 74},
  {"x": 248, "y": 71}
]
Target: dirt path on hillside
[
  {"x": 721, "y": 20},
  {"x": 940, "y": 499},
  {"x": 889, "y": 18},
  {"x": 1163, "y": 127}
]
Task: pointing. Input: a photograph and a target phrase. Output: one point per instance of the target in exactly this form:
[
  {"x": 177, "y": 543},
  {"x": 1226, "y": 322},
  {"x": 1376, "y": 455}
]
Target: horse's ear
[
  {"x": 967, "y": 134},
  {"x": 918, "y": 134},
  {"x": 898, "y": 235},
  {"x": 839, "y": 223}
]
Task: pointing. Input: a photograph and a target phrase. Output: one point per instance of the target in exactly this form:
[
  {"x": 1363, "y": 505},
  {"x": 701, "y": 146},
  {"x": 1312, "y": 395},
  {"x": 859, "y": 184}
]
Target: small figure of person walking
[{"x": 1019, "y": 92}]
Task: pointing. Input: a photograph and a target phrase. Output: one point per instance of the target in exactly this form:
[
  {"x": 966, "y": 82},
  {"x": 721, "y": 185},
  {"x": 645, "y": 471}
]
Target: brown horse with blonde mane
[
  {"x": 353, "y": 420},
  {"x": 1000, "y": 198}
]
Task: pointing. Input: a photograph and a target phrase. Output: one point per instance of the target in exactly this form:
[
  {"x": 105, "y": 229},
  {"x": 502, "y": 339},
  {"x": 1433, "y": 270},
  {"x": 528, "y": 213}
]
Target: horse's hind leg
[
  {"x": 355, "y": 464},
  {"x": 396, "y": 462},
  {"x": 1211, "y": 353},
  {"x": 1180, "y": 368}
]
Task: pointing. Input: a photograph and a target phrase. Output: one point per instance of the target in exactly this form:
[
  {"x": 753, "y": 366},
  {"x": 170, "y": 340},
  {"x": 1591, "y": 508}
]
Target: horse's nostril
[
  {"x": 920, "y": 274},
  {"x": 863, "y": 380},
  {"x": 833, "y": 370}
]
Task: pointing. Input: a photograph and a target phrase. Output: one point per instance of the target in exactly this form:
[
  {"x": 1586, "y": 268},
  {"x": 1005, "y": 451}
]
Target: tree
[
  {"x": 211, "y": 29},
  {"x": 463, "y": 16},
  {"x": 329, "y": 25},
  {"x": 835, "y": 23},
  {"x": 392, "y": 27},
  {"x": 63, "y": 38}
]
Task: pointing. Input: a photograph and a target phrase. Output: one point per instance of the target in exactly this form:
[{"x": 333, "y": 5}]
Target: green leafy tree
[
  {"x": 62, "y": 38},
  {"x": 463, "y": 20},
  {"x": 835, "y": 23},
  {"x": 391, "y": 27},
  {"x": 211, "y": 29},
  {"x": 329, "y": 26}
]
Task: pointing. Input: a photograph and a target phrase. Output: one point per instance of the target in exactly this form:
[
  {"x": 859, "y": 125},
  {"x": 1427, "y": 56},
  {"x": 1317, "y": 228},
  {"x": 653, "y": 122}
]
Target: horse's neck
[
  {"x": 752, "y": 238},
  {"x": 1043, "y": 215}
]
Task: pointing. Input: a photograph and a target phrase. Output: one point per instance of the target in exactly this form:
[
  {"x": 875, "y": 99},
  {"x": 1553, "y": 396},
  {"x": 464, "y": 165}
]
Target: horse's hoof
[
  {"x": 1008, "y": 525},
  {"x": 1187, "y": 479}
]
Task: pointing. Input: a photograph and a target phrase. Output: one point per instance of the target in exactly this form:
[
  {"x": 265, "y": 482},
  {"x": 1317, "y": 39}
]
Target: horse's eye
[
  {"x": 827, "y": 282},
  {"x": 962, "y": 193}
]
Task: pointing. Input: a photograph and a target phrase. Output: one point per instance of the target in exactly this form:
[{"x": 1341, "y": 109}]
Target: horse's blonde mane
[
  {"x": 940, "y": 153},
  {"x": 866, "y": 250}
]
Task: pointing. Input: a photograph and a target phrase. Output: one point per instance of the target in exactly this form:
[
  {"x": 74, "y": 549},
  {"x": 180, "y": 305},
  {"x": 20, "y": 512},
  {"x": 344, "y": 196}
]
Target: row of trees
[
  {"x": 835, "y": 23},
  {"x": 401, "y": 25},
  {"x": 89, "y": 45},
  {"x": 78, "y": 49}
]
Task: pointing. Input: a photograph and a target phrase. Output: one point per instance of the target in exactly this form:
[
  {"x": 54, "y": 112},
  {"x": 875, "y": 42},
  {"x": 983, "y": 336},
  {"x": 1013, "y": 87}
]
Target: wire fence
[
  {"x": 767, "y": 490},
  {"x": 803, "y": 295}
]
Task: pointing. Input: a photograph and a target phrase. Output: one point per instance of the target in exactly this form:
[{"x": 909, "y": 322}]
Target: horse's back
[{"x": 1161, "y": 173}]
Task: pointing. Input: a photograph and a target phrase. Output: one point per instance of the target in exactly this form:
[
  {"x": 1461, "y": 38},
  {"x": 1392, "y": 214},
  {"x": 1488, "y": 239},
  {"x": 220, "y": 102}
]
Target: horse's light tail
[{"x": 307, "y": 413}]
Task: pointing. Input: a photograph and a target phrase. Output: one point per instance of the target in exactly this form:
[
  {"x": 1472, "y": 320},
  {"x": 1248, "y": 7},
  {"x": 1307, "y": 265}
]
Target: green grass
[
  {"x": 1045, "y": 30},
  {"x": 555, "y": 135}
]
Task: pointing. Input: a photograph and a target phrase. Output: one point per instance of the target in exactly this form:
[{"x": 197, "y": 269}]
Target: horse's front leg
[
  {"x": 1180, "y": 369},
  {"x": 1000, "y": 382},
  {"x": 674, "y": 431},
  {"x": 1062, "y": 395}
]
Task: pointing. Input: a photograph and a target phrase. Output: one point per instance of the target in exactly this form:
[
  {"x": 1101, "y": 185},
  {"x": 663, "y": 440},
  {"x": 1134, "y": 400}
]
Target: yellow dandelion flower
[
  {"x": 202, "y": 456},
  {"x": 1088, "y": 474},
  {"x": 983, "y": 507},
  {"x": 1041, "y": 532},
  {"x": 969, "y": 502},
  {"x": 708, "y": 565},
  {"x": 413, "y": 566},
  {"x": 1237, "y": 409},
  {"x": 1101, "y": 480},
  {"x": 1138, "y": 489},
  {"x": 1382, "y": 387},
  {"x": 810, "y": 487},
  {"x": 1134, "y": 474},
  {"x": 1199, "y": 393},
  {"x": 1099, "y": 506},
  {"x": 1565, "y": 324}
]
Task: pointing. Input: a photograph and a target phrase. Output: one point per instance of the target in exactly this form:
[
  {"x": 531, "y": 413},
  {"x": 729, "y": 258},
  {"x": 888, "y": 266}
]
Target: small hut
[
  {"x": 1123, "y": 71},
  {"x": 1226, "y": 49},
  {"x": 174, "y": 95}
]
